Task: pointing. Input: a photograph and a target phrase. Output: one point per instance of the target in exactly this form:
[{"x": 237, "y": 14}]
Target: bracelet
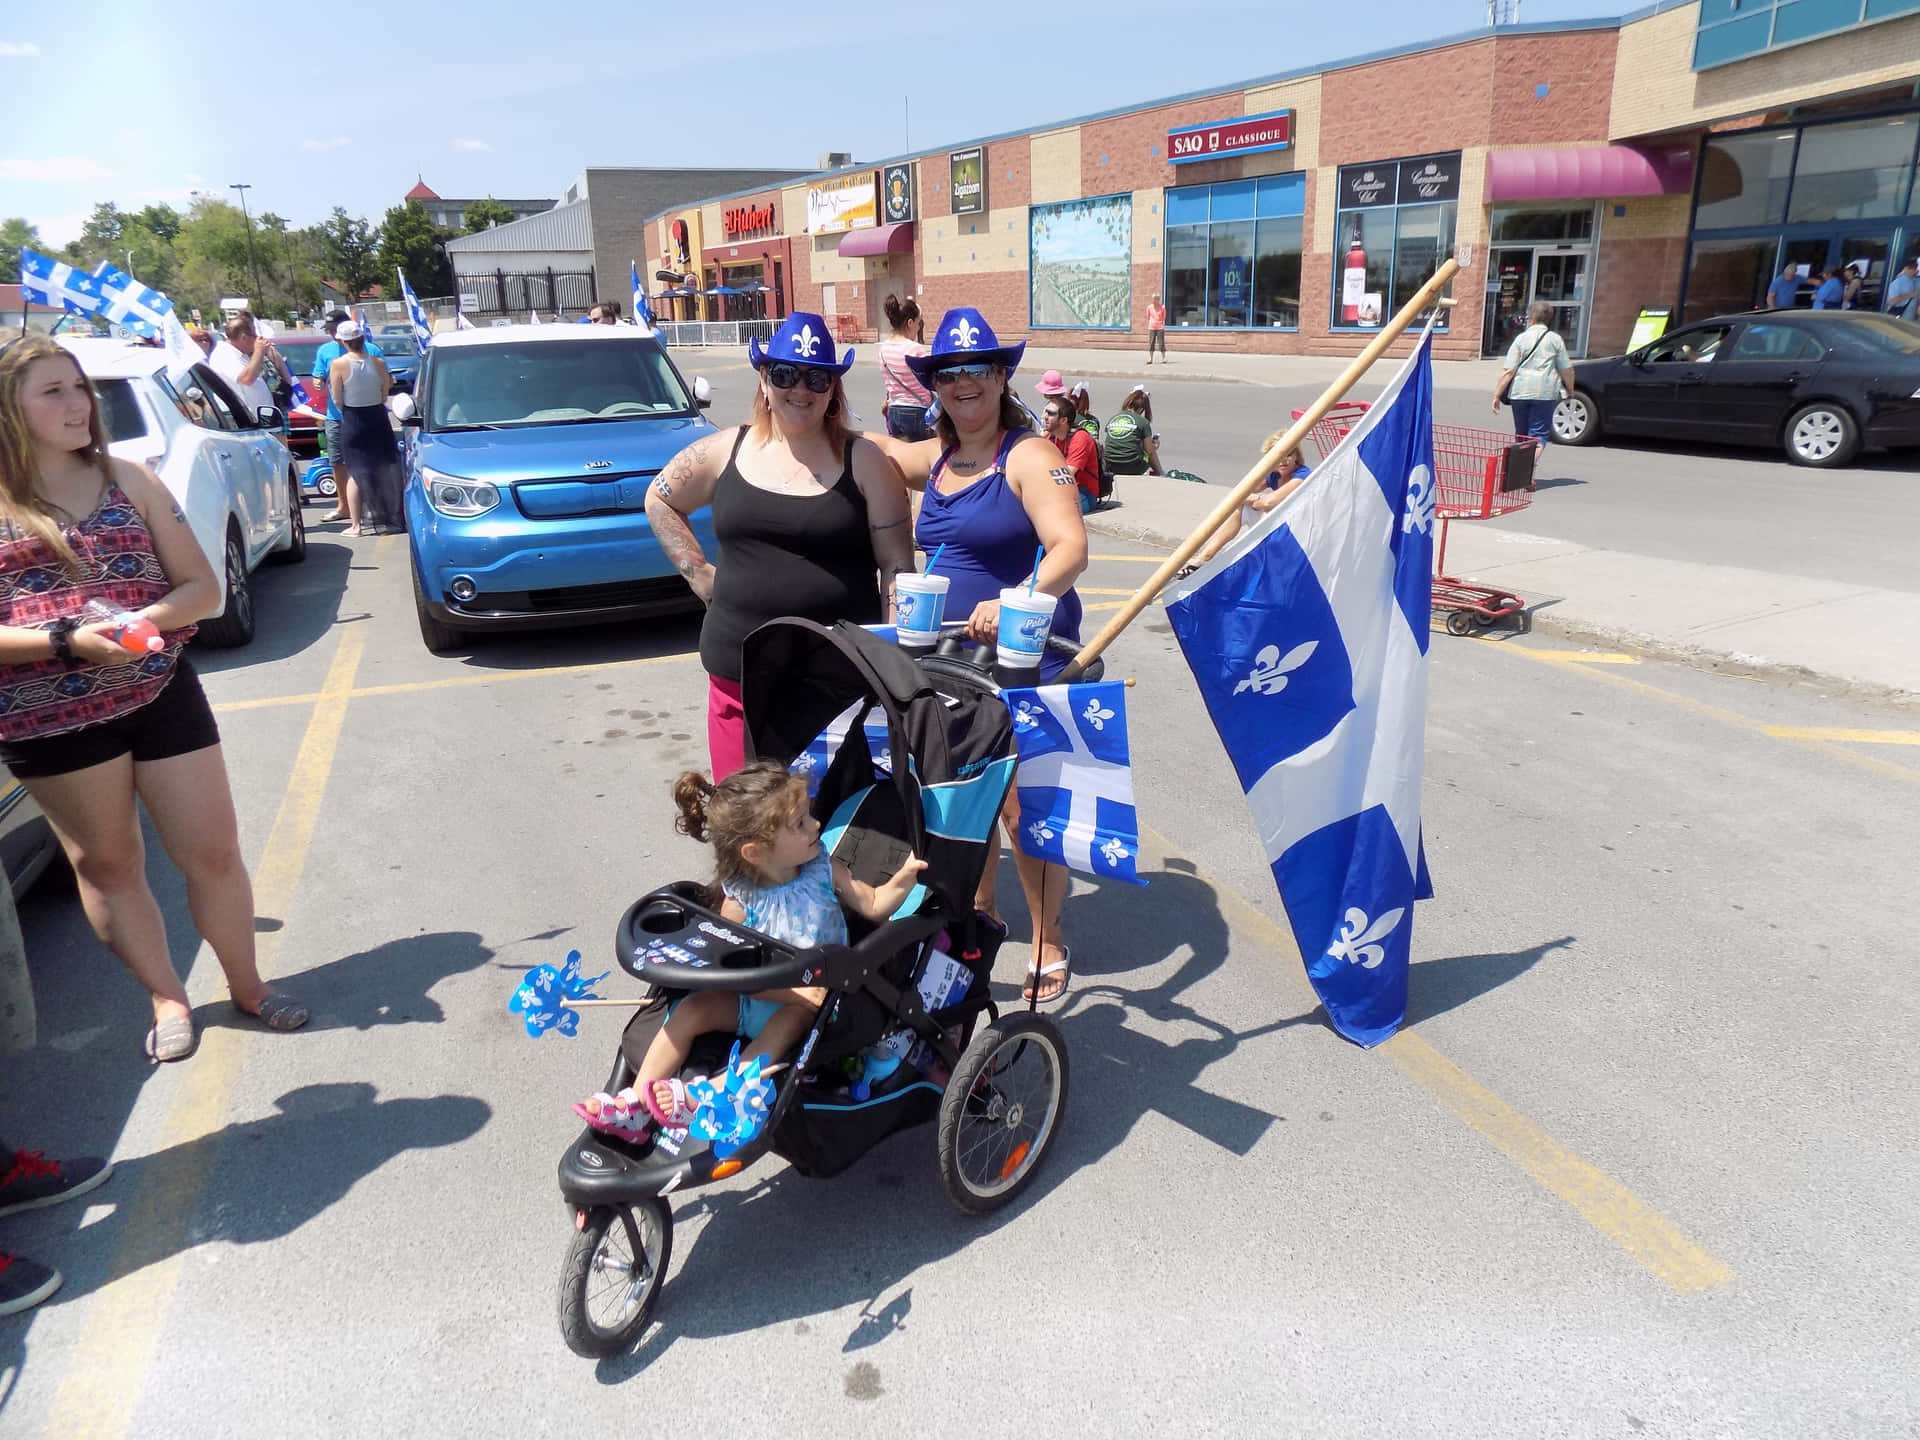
[{"x": 61, "y": 634}]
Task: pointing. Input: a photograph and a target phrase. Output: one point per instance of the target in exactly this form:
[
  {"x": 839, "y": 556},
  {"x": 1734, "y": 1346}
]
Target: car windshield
[
  {"x": 299, "y": 354},
  {"x": 552, "y": 382},
  {"x": 1885, "y": 334},
  {"x": 120, "y": 413}
]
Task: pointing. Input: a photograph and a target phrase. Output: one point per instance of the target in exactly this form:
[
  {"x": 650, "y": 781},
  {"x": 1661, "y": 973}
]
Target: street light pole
[{"x": 252, "y": 263}]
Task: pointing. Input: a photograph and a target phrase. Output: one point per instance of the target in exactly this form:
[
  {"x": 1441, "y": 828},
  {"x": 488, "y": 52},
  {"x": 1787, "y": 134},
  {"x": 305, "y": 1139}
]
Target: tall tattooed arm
[
  {"x": 682, "y": 488},
  {"x": 889, "y": 515}
]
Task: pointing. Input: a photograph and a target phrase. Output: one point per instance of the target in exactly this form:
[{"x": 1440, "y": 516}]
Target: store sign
[
  {"x": 1423, "y": 180},
  {"x": 1272, "y": 131},
  {"x": 967, "y": 180},
  {"x": 745, "y": 219},
  {"x": 847, "y": 203},
  {"x": 896, "y": 193}
]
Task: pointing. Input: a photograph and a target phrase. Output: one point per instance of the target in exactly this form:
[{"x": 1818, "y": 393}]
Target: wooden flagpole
[{"x": 1257, "y": 476}]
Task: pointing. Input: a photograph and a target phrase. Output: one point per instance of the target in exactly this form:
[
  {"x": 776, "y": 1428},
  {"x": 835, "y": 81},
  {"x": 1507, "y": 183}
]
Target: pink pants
[{"x": 726, "y": 727}]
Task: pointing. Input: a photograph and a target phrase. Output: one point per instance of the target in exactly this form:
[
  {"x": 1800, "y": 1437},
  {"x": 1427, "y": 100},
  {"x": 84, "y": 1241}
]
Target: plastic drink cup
[
  {"x": 1025, "y": 621},
  {"x": 920, "y": 604}
]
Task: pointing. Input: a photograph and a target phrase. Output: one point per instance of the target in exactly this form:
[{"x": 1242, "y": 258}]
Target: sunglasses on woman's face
[
  {"x": 954, "y": 374},
  {"x": 785, "y": 377}
]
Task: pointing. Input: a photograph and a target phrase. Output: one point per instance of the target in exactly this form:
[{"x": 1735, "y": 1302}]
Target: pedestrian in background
[
  {"x": 1082, "y": 455},
  {"x": 1537, "y": 367},
  {"x": 358, "y": 384},
  {"x": 245, "y": 361},
  {"x": 1785, "y": 289},
  {"x": 1903, "y": 293},
  {"x": 1156, "y": 330},
  {"x": 1132, "y": 446},
  {"x": 604, "y": 312},
  {"x": 1853, "y": 278},
  {"x": 1831, "y": 292},
  {"x": 906, "y": 399},
  {"x": 810, "y": 518},
  {"x": 94, "y": 732},
  {"x": 349, "y": 507}
]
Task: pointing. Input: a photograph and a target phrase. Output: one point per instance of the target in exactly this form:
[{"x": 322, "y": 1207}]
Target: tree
[
  {"x": 485, "y": 214},
  {"x": 410, "y": 243},
  {"x": 349, "y": 251},
  {"x": 162, "y": 221},
  {"x": 17, "y": 235}
]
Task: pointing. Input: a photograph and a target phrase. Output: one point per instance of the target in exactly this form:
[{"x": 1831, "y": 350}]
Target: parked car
[
  {"x": 27, "y": 845},
  {"x": 529, "y": 453},
  {"x": 303, "y": 425},
  {"x": 1821, "y": 384},
  {"x": 228, "y": 468}
]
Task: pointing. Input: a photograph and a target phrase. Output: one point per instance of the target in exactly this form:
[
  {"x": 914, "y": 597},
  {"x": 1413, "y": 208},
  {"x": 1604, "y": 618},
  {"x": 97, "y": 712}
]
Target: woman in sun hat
[
  {"x": 994, "y": 492},
  {"x": 810, "y": 518}
]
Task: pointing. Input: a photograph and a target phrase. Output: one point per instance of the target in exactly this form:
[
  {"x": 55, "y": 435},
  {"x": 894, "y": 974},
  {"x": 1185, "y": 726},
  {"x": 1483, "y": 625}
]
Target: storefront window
[
  {"x": 1563, "y": 225},
  {"x": 1394, "y": 228},
  {"x": 1743, "y": 181},
  {"x": 1728, "y": 275},
  {"x": 1847, "y": 172},
  {"x": 1233, "y": 253}
]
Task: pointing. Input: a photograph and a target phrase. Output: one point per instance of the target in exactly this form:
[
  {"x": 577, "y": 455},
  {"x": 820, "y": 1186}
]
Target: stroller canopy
[{"x": 952, "y": 747}]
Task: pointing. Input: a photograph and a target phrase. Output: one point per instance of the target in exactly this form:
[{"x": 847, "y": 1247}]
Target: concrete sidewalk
[
  {"x": 1852, "y": 635},
  {"x": 1274, "y": 371}
]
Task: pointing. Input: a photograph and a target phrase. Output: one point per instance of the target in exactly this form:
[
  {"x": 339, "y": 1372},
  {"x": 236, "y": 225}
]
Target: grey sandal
[
  {"x": 172, "y": 1040},
  {"x": 281, "y": 1012}
]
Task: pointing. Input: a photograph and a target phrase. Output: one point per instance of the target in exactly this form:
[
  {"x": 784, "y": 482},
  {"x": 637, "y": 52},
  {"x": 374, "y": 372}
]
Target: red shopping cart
[{"x": 1478, "y": 474}]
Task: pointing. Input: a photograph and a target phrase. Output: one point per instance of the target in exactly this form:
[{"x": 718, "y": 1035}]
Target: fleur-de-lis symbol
[
  {"x": 1096, "y": 714},
  {"x": 806, "y": 343},
  {"x": 1356, "y": 944},
  {"x": 1270, "y": 671},
  {"x": 1026, "y": 716},
  {"x": 884, "y": 758},
  {"x": 802, "y": 763},
  {"x": 1114, "y": 850},
  {"x": 965, "y": 334},
  {"x": 1421, "y": 501},
  {"x": 1041, "y": 832}
]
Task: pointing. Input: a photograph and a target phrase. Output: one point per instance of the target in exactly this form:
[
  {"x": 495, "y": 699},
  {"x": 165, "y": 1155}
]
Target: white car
[{"x": 228, "y": 468}]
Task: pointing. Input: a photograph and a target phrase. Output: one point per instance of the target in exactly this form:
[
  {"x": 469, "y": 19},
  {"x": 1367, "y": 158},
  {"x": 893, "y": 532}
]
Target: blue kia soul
[{"x": 529, "y": 453}]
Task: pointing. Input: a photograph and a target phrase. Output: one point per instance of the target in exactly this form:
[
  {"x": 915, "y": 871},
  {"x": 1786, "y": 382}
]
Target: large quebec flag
[
  {"x": 1308, "y": 636},
  {"x": 127, "y": 302}
]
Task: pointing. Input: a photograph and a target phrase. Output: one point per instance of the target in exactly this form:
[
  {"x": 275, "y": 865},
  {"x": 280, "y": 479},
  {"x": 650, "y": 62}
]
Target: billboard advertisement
[
  {"x": 967, "y": 180},
  {"x": 1081, "y": 255},
  {"x": 844, "y": 203}
]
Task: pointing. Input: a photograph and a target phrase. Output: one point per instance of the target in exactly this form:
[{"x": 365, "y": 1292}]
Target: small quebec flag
[{"x": 1308, "y": 636}]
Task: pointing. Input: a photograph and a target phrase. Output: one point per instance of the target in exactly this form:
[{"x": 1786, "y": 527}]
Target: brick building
[{"x": 1676, "y": 157}]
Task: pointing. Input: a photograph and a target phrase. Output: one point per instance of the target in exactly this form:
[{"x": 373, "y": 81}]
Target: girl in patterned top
[
  {"x": 774, "y": 878},
  {"x": 88, "y": 727}
]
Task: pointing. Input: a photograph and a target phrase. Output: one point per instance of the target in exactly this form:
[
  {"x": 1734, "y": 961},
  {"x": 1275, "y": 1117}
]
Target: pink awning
[
  {"x": 880, "y": 240},
  {"x": 1587, "y": 172}
]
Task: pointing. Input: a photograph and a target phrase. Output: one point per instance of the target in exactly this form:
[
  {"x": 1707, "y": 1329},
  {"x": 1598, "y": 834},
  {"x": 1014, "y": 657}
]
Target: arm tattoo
[
  {"x": 178, "y": 513},
  {"x": 663, "y": 487},
  {"x": 679, "y": 469},
  {"x": 1062, "y": 476}
]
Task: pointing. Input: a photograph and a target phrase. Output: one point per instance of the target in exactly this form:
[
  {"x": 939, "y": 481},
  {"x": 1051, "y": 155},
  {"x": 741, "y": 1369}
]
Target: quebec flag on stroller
[
  {"x": 1308, "y": 636},
  {"x": 1076, "y": 778}
]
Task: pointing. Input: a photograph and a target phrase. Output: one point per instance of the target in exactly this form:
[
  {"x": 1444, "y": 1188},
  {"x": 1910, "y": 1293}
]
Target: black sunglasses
[{"x": 785, "y": 377}]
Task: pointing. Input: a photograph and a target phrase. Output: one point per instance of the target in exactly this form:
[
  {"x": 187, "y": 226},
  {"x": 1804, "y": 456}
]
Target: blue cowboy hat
[
  {"x": 802, "y": 339},
  {"x": 965, "y": 337}
]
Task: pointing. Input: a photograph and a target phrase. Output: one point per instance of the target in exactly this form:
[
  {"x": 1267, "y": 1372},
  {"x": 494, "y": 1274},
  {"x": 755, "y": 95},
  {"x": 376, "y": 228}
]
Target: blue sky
[{"x": 490, "y": 97}]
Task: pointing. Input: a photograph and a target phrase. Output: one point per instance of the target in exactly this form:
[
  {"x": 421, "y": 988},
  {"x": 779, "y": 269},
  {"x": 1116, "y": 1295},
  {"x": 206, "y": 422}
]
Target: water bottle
[
  {"x": 944, "y": 982},
  {"x": 129, "y": 631}
]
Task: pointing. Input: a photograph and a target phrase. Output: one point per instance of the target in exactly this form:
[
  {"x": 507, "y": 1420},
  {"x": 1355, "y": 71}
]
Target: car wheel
[
  {"x": 1576, "y": 419},
  {"x": 1822, "y": 435},
  {"x": 435, "y": 634},
  {"x": 296, "y": 550},
  {"x": 234, "y": 625}
]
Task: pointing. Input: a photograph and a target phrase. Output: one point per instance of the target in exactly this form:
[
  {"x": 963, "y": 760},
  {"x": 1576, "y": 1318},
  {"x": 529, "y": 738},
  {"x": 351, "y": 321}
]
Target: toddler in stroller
[
  {"x": 894, "y": 1024},
  {"x": 774, "y": 878}
]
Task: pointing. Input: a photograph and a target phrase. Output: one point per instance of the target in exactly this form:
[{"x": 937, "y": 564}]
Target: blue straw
[
  {"x": 1039, "y": 554},
  {"x": 935, "y": 560}
]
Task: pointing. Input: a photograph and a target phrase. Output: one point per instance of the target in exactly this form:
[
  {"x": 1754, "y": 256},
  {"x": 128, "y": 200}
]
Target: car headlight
[{"x": 457, "y": 498}]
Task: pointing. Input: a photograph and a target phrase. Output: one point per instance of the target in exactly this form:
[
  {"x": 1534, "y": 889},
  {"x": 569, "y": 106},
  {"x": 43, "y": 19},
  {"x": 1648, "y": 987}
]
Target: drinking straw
[
  {"x": 936, "y": 556},
  {"x": 1039, "y": 554}
]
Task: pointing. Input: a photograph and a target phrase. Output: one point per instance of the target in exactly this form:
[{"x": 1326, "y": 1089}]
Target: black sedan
[{"x": 1820, "y": 383}]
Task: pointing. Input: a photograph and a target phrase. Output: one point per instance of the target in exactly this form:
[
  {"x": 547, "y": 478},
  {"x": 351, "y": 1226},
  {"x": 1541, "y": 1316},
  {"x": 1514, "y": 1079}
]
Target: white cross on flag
[{"x": 1308, "y": 636}]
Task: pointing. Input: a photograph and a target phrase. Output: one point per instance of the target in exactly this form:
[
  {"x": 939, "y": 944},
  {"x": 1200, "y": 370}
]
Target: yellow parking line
[
  {"x": 1850, "y": 737},
  {"x": 1579, "y": 657},
  {"x": 451, "y": 681},
  {"x": 107, "y": 1364},
  {"x": 1596, "y": 1197}
]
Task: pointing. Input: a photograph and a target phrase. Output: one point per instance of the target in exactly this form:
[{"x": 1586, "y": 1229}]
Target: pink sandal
[
  {"x": 611, "y": 1115},
  {"x": 682, "y": 1113}
]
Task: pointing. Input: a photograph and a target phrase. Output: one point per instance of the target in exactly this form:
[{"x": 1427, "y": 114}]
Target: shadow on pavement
[
  {"x": 294, "y": 607},
  {"x": 582, "y": 645},
  {"x": 1437, "y": 986},
  {"x": 791, "y": 1248},
  {"x": 387, "y": 985}
]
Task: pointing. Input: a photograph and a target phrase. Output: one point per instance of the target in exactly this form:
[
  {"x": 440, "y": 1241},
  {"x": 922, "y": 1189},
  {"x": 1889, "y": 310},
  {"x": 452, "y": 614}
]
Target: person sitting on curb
[{"x": 1282, "y": 481}]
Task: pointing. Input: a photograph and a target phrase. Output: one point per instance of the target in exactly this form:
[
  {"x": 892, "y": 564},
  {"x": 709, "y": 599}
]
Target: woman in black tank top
[{"x": 811, "y": 520}]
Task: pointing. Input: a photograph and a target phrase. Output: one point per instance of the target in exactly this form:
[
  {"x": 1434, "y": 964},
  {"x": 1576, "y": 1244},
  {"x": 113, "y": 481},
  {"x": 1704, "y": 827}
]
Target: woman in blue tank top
[{"x": 993, "y": 493}]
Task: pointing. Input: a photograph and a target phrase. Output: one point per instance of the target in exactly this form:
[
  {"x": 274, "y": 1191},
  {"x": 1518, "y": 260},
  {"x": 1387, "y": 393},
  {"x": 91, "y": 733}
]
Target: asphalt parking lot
[{"x": 1642, "y": 1162}]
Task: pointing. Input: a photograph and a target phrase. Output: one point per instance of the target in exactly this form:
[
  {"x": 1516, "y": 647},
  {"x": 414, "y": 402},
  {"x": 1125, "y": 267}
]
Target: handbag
[{"x": 1501, "y": 394}]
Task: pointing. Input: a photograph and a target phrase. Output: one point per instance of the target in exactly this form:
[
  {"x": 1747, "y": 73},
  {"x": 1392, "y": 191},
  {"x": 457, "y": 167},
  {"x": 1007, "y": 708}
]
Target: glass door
[
  {"x": 1560, "y": 279},
  {"x": 1866, "y": 256},
  {"x": 1509, "y": 286}
]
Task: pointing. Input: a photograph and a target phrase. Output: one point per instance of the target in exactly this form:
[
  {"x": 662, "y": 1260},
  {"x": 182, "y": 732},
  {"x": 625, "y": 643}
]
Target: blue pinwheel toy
[
  {"x": 542, "y": 996},
  {"x": 731, "y": 1108}
]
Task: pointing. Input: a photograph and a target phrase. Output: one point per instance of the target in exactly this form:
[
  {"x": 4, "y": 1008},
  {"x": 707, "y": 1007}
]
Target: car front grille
[{"x": 619, "y": 593}]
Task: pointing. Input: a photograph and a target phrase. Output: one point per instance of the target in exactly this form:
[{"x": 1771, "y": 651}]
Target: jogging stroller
[{"x": 998, "y": 1090}]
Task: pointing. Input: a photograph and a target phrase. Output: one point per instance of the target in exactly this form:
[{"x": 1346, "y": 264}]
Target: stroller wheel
[
  {"x": 612, "y": 1276},
  {"x": 1000, "y": 1111}
]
